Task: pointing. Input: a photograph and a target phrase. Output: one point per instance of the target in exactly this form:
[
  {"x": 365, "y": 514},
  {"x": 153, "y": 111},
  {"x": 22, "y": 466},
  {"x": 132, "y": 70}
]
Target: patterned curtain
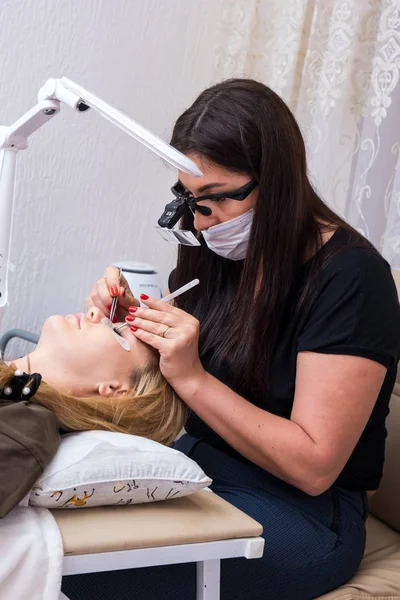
[{"x": 336, "y": 63}]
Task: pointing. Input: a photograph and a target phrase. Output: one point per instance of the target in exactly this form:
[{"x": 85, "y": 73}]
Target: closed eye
[{"x": 119, "y": 331}]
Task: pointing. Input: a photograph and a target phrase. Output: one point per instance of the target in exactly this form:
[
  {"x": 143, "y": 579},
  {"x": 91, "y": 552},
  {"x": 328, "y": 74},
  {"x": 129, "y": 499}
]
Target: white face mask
[{"x": 230, "y": 239}]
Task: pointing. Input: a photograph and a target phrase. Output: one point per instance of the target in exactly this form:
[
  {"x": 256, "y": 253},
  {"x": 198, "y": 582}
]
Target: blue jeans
[{"x": 312, "y": 544}]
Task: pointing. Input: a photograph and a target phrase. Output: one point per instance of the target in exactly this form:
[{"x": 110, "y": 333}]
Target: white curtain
[{"x": 337, "y": 64}]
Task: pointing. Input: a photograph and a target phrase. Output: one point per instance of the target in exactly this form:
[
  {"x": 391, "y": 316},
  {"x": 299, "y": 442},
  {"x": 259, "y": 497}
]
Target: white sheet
[{"x": 31, "y": 554}]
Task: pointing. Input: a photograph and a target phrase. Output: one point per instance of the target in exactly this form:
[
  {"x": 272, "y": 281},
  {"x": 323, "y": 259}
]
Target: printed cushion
[{"x": 99, "y": 468}]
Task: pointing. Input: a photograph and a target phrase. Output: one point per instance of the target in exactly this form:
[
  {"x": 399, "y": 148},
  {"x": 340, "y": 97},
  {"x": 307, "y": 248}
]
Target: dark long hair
[{"x": 243, "y": 126}]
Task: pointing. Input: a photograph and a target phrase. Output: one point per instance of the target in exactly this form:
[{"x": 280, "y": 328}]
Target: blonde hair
[{"x": 151, "y": 409}]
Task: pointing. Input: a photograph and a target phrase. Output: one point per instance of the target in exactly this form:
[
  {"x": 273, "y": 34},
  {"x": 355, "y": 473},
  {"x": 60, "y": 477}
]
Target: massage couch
[{"x": 200, "y": 528}]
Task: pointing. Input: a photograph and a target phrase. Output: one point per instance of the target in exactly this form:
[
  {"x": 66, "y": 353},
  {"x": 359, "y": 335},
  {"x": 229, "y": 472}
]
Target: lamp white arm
[
  {"x": 14, "y": 138},
  {"x": 80, "y": 99}
]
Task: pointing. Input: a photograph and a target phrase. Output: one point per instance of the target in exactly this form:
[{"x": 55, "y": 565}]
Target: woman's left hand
[{"x": 175, "y": 334}]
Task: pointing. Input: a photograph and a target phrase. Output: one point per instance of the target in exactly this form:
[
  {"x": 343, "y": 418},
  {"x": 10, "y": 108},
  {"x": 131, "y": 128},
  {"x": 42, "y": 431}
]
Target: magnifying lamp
[{"x": 14, "y": 138}]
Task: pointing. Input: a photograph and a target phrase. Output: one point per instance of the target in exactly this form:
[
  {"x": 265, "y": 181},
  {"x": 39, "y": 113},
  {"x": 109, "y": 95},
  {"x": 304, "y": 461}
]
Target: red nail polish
[
  {"x": 133, "y": 329},
  {"x": 133, "y": 309},
  {"x": 130, "y": 319},
  {"x": 144, "y": 296},
  {"x": 114, "y": 291}
]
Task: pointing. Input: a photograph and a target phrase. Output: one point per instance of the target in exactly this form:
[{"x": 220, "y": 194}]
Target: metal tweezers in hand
[{"x": 114, "y": 302}]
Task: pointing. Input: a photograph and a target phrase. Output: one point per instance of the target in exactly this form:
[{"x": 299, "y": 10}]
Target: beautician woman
[{"x": 286, "y": 354}]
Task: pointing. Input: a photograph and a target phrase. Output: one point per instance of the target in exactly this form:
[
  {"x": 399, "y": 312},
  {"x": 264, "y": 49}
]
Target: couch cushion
[
  {"x": 201, "y": 517},
  {"x": 385, "y": 504},
  {"x": 379, "y": 574}
]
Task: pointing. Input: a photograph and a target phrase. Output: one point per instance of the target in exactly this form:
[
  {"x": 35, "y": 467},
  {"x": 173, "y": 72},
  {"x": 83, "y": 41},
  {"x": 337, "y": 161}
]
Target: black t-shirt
[{"x": 356, "y": 312}]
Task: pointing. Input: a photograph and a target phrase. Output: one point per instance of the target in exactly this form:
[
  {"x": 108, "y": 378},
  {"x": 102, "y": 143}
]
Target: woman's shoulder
[
  {"x": 355, "y": 307},
  {"x": 351, "y": 259},
  {"x": 357, "y": 285}
]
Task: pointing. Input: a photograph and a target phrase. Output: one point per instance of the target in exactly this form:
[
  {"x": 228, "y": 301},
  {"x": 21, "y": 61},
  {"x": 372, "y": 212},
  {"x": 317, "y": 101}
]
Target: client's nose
[{"x": 95, "y": 315}]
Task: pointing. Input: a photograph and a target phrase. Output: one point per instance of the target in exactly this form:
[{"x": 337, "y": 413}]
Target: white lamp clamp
[{"x": 15, "y": 137}]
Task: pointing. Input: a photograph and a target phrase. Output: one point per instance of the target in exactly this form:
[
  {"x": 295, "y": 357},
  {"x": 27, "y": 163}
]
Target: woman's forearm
[{"x": 278, "y": 445}]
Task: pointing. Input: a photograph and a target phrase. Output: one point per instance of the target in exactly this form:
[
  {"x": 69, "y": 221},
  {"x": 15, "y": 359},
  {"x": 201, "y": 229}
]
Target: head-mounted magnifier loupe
[
  {"x": 184, "y": 201},
  {"x": 174, "y": 211}
]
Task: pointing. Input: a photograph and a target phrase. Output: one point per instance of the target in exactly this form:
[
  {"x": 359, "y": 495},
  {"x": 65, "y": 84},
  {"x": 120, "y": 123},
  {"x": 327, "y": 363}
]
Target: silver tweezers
[{"x": 114, "y": 302}]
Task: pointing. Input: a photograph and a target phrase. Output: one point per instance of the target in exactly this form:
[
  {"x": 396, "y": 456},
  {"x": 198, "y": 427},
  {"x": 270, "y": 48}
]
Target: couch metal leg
[{"x": 208, "y": 580}]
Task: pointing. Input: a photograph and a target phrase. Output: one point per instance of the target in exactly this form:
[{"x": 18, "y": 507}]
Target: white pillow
[{"x": 98, "y": 468}]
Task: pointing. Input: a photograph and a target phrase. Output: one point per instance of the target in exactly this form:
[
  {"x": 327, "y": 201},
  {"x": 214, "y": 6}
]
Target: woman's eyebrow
[{"x": 208, "y": 186}]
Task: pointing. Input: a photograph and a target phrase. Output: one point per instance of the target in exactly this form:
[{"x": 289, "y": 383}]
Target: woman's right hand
[{"x": 108, "y": 287}]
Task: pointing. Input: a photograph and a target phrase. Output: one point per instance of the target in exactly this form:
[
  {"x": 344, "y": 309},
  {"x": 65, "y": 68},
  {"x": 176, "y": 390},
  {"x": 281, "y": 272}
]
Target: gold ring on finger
[{"x": 165, "y": 331}]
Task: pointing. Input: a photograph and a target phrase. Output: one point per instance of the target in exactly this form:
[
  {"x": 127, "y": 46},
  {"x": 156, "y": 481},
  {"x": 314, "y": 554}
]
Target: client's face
[{"x": 80, "y": 355}]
